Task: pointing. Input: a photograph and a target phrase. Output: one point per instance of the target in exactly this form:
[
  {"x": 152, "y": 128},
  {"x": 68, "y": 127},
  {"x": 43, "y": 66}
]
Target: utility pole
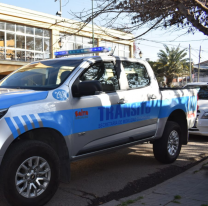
[
  {"x": 199, "y": 62},
  {"x": 92, "y": 26},
  {"x": 190, "y": 73}
]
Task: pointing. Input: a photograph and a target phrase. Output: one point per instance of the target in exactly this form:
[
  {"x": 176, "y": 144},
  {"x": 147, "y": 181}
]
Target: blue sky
[{"x": 148, "y": 48}]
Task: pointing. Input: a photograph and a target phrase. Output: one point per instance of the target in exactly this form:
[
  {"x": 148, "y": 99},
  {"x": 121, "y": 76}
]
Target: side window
[
  {"x": 136, "y": 74},
  {"x": 105, "y": 73},
  {"x": 63, "y": 73}
]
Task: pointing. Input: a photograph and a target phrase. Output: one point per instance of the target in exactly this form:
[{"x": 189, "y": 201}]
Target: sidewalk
[{"x": 187, "y": 189}]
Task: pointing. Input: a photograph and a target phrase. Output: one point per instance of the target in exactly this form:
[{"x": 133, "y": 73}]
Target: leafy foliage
[
  {"x": 157, "y": 71},
  {"x": 172, "y": 63}
]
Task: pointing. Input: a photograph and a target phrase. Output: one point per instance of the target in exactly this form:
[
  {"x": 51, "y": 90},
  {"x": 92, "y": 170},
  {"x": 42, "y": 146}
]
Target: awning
[{"x": 201, "y": 66}]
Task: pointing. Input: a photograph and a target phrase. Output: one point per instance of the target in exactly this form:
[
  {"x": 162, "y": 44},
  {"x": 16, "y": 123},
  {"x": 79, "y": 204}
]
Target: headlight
[
  {"x": 205, "y": 116},
  {"x": 3, "y": 112}
]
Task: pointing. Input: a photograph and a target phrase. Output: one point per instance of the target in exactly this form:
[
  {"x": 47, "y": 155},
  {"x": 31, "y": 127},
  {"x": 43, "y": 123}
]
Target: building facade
[
  {"x": 203, "y": 72},
  {"x": 27, "y": 35}
]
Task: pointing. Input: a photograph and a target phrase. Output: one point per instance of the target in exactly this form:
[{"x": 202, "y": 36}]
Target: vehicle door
[
  {"x": 142, "y": 99},
  {"x": 94, "y": 114}
]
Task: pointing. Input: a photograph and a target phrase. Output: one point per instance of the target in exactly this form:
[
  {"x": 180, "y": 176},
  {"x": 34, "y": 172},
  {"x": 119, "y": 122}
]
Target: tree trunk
[{"x": 169, "y": 81}]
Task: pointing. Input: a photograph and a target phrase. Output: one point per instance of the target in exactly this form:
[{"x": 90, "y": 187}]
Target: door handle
[
  {"x": 122, "y": 101},
  {"x": 152, "y": 96}
]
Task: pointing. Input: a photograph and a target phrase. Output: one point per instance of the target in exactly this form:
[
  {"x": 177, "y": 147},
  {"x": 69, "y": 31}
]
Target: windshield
[
  {"x": 203, "y": 90},
  {"x": 44, "y": 75}
]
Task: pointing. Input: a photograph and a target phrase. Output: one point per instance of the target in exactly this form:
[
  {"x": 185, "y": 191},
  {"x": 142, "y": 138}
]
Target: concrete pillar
[
  {"x": 131, "y": 51},
  {"x": 54, "y": 40}
]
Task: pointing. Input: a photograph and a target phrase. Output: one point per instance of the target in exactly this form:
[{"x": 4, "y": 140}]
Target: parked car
[
  {"x": 201, "y": 124},
  {"x": 61, "y": 110}
]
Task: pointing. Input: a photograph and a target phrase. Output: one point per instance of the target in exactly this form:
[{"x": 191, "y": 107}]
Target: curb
[{"x": 167, "y": 197}]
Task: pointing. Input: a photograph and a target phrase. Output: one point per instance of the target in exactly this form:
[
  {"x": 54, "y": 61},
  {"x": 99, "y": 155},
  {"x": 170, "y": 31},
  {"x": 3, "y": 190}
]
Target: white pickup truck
[{"x": 53, "y": 112}]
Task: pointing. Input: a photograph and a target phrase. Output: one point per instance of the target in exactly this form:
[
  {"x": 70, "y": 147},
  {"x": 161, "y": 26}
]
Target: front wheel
[
  {"x": 167, "y": 148},
  {"x": 29, "y": 174}
]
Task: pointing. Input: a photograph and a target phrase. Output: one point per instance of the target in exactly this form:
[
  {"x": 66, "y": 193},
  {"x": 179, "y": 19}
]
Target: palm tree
[
  {"x": 172, "y": 63},
  {"x": 157, "y": 71}
]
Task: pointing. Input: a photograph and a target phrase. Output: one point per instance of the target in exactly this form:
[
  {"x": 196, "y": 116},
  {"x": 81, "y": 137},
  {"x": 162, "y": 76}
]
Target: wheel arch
[
  {"x": 179, "y": 117},
  {"x": 54, "y": 139}
]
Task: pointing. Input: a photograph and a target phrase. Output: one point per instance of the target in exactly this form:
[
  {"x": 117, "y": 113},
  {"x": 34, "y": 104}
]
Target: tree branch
[
  {"x": 201, "y": 5},
  {"x": 195, "y": 22}
]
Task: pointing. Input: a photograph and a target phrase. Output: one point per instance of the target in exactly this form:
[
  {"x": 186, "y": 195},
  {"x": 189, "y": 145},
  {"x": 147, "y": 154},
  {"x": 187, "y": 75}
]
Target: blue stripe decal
[
  {"x": 92, "y": 118},
  {"x": 35, "y": 121},
  {"x": 188, "y": 104},
  {"x": 9, "y": 99},
  {"x": 19, "y": 124},
  {"x": 61, "y": 121},
  {"x": 12, "y": 127},
  {"x": 27, "y": 121}
]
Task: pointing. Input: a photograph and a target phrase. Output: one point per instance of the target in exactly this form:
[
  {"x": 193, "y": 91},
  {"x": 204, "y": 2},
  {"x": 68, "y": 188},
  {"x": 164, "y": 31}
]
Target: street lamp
[
  {"x": 140, "y": 54},
  {"x": 60, "y": 43},
  {"x": 58, "y": 13}
]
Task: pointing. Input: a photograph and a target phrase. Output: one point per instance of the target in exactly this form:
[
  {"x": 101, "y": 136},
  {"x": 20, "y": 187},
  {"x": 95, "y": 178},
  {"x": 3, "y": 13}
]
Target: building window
[
  {"x": 29, "y": 30},
  {"x": 30, "y": 43},
  {"x": 24, "y": 43},
  {"x": 10, "y": 27},
  {"x": 20, "y": 28},
  {"x": 20, "y": 42},
  {"x": 120, "y": 49},
  {"x": 70, "y": 42},
  {"x": 2, "y": 24},
  {"x": 2, "y": 39},
  {"x": 10, "y": 41}
]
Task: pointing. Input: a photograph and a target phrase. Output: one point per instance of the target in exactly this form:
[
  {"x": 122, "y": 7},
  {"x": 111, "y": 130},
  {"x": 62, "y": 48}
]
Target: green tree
[
  {"x": 172, "y": 63},
  {"x": 157, "y": 71}
]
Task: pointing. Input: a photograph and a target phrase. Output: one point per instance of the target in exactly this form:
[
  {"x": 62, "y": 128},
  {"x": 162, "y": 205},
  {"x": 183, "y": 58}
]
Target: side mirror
[{"x": 86, "y": 88}]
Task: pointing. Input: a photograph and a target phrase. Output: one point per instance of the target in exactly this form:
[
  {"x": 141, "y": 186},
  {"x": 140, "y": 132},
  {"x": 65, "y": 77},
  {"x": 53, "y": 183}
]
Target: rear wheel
[
  {"x": 29, "y": 174},
  {"x": 168, "y": 147}
]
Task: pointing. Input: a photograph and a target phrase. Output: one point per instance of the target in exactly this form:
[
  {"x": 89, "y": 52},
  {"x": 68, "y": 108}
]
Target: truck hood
[
  {"x": 203, "y": 104},
  {"x": 10, "y": 97}
]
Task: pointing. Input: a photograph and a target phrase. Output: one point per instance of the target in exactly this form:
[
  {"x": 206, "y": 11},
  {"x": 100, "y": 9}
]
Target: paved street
[{"x": 108, "y": 175}]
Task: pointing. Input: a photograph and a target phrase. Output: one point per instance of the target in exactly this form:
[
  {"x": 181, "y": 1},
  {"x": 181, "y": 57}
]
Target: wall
[{"x": 56, "y": 24}]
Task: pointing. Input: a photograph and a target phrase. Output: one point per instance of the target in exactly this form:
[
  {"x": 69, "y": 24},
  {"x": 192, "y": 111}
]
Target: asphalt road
[{"x": 108, "y": 176}]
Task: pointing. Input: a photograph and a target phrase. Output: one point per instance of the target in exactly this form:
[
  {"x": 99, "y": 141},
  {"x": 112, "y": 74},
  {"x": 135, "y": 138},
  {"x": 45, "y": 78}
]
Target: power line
[
  {"x": 150, "y": 45},
  {"x": 186, "y": 41},
  {"x": 170, "y": 44}
]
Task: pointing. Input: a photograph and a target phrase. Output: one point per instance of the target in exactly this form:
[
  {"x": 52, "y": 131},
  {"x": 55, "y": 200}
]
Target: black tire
[
  {"x": 16, "y": 155},
  {"x": 160, "y": 146}
]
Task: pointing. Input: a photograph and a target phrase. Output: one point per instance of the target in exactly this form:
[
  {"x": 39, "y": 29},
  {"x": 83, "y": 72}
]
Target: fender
[{"x": 168, "y": 106}]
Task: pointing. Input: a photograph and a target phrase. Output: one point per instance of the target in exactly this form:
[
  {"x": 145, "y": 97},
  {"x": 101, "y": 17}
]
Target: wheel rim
[
  {"x": 32, "y": 177},
  {"x": 173, "y": 143}
]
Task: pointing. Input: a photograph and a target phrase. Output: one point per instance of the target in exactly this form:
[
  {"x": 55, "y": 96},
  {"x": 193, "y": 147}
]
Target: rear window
[
  {"x": 203, "y": 90},
  {"x": 136, "y": 74}
]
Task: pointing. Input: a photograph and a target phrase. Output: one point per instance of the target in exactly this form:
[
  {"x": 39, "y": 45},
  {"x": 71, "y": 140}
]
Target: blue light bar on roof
[{"x": 83, "y": 51}]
